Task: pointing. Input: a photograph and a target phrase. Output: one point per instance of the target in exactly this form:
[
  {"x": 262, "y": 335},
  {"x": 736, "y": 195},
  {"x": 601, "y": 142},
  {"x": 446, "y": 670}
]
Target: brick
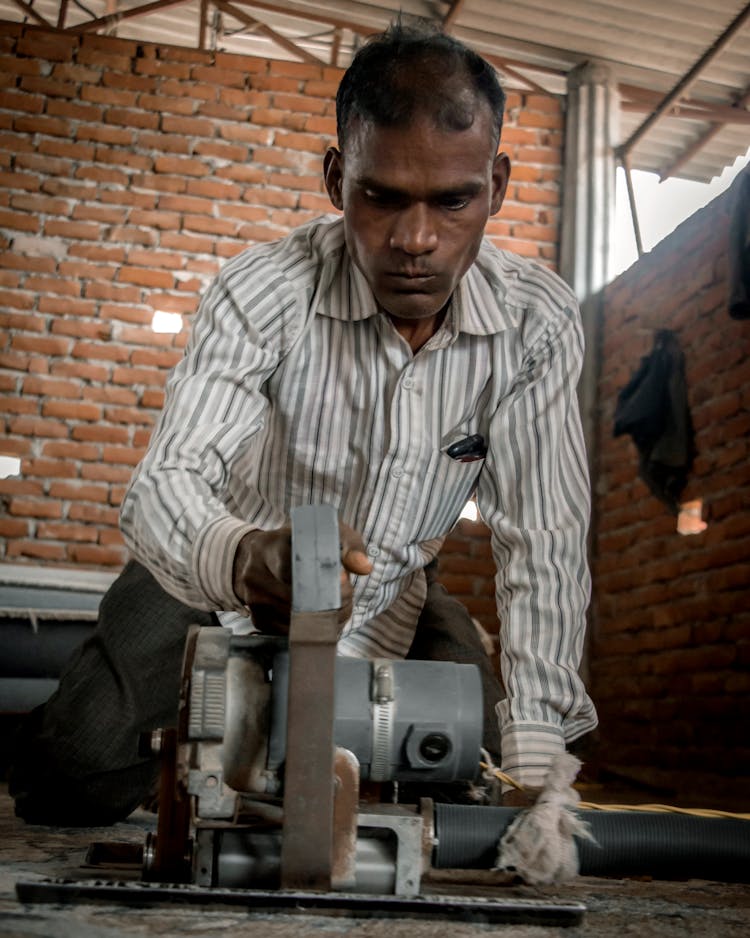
[
  {"x": 158, "y": 359},
  {"x": 24, "y": 321},
  {"x": 119, "y": 293},
  {"x": 151, "y": 377},
  {"x": 101, "y": 351},
  {"x": 43, "y": 345},
  {"x": 86, "y": 231},
  {"x": 14, "y": 527},
  {"x": 67, "y": 532},
  {"x": 152, "y": 398},
  {"x": 51, "y": 126},
  {"x": 133, "y": 161},
  {"x": 180, "y": 166},
  {"x": 28, "y": 103},
  {"x": 146, "y": 277},
  {"x": 71, "y": 411},
  {"x": 32, "y": 508},
  {"x": 84, "y": 371},
  {"x": 54, "y": 47},
  {"x": 99, "y": 433},
  {"x": 108, "y": 393},
  {"x": 101, "y": 175},
  {"x": 207, "y": 225},
  {"x": 19, "y": 405},
  {"x": 39, "y": 550},
  {"x": 20, "y": 486},
  {"x": 19, "y": 221},
  {"x": 110, "y": 536},
  {"x": 68, "y": 449},
  {"x": 99, "y": 472},
  {"x": 221, "y": 151},
  {"x": 246, "y": 133},
  {"x": 82, "y": 511},
  {"x": 47, "y": 387},
  {"x": 213, "y": 189},
  {"x": 102, "y": 133},
  {"x": 64, "y": 306},
  {"x": 78, "y": 491},
  {"x": 98, "y": 555},
  {"x": 306, "y": 142},
  {"x": 49, "y": 468}
]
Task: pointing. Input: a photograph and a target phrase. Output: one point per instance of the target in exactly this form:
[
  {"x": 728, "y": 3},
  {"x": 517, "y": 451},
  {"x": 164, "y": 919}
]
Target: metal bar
[
  {"x": 113, "y": 18},
  {"x": 512, "y": 73},
  {"x": 313, "y": 633},
  {"x": 335, "y": 46},
  {"x": 450, "y": 16},
  {"x": 61, "y": 15},
  {"x": 202, "y": 24},
  {"x": 439, "y": 907},
  {"x": 318, "y": 16},
  {"x": 268, "y": 31},
  {"x": 686, "y": 81},
  {"x": 625, "y": 160},
  {"x": 719, "y": 115},
  {"x": 27, "y": 8}
]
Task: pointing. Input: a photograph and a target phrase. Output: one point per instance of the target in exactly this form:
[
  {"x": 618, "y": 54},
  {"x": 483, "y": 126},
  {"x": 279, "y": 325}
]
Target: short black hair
[{"x": 412, "y": 69}]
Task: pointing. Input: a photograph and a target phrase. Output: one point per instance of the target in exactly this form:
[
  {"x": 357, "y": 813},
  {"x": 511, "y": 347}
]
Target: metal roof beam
[
  {"x": 689, "y": 152},
  {"x": 686, "y": 81},
  {"x": 62, "y": 14},
  {"x": 318, "y": 16},
  {"x": 272, "y": 34},
  {"x": 713, "y": 114},
  {"x": 30, "y": 11},
  {"x": 113, "y": 18}
]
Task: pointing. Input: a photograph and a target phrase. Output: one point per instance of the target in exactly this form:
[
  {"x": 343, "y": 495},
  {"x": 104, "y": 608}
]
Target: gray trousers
[{"x": 77, "y": 759}]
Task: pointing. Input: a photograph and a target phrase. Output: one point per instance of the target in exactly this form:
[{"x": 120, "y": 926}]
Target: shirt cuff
[
  {"x": 213, "y": 561},
  {"x": 528, "y": 748}
]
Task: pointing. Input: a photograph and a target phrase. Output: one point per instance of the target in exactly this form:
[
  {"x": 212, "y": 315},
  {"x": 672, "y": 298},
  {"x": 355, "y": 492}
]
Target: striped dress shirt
[{"x": 296, "y": 389}]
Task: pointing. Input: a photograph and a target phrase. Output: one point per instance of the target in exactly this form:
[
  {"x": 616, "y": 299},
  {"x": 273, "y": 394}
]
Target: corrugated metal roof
[{"x": 649, "y": 48}]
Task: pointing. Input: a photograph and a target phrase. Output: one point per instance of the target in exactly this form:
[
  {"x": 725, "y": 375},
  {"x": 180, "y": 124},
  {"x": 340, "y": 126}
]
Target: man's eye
[
  {"x": 454, "y": 202},
  {"x": 379, "y": 198}
]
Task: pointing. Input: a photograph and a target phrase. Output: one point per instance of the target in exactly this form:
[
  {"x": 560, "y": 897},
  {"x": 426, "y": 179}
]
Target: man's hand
[{"x": 262, "y": 574}]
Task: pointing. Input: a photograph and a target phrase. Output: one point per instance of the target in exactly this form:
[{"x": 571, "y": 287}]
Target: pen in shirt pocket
[{"x": 469, "y": 449}]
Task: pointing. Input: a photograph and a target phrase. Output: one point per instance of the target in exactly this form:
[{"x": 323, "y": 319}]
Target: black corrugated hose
[{"x": 626, "y": 843}]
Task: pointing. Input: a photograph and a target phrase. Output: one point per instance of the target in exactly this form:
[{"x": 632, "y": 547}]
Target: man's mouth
[{"x": 410, "y": 278}]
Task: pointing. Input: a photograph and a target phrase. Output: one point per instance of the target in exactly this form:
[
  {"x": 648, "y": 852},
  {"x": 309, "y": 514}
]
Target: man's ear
[
  {"x": 333, "y": 175},
  {"x": 500, "y": 177}
]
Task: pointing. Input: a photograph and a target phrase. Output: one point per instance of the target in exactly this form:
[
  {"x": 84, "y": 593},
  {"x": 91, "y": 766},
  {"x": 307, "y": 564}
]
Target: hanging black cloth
[
  {"x": 739, "y": 248},
  {"x": 653, "y": 409}
]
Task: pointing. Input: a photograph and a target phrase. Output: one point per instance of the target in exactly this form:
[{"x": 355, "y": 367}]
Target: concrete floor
[{"x": 615, "y": 908}]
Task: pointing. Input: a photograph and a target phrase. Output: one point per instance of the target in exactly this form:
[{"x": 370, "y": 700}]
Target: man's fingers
[{"x": 353, "y": 554}]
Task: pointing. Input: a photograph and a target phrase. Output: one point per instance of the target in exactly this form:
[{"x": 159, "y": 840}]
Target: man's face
[{"x": 415, "y": 203}]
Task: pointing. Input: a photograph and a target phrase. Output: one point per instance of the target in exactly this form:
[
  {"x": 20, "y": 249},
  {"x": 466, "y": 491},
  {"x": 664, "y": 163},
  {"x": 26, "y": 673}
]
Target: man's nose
[{"x": 414, "y": 231}]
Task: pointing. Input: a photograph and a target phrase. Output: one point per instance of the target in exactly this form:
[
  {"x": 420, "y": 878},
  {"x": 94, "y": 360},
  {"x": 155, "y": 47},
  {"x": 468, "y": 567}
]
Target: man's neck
[{"x": 417, "y": 332}]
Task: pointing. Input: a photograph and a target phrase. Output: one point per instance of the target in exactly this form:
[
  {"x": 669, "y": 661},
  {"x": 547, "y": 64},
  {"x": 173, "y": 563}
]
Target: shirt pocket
[{"x": 444, "y": 489}]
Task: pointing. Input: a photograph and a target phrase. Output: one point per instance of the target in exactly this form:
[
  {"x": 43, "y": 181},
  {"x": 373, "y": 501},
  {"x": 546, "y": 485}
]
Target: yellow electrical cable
[{"x": 653, "y": 808}]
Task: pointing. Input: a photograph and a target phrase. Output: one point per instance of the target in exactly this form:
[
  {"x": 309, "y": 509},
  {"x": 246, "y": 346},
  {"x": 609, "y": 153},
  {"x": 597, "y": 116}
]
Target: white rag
[{"x": 539, "y": 845}]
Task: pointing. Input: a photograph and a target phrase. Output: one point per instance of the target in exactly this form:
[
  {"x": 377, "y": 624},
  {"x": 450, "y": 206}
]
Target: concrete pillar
[
  {"x": 591, "y": 133},
  {"x": 588, "y": 209}
]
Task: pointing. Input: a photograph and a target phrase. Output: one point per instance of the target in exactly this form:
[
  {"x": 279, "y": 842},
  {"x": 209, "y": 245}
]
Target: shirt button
[
  {"x": 397, "y": 472},
  {"x": 407, "y": 383},
  {"x": 373, "y": 551}
]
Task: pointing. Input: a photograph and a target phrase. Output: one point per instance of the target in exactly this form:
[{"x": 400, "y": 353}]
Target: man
[{"x": 389, "y": 363}]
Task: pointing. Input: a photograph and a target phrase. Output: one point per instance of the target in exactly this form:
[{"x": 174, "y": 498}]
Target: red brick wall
[
  {"x": 128, "y": 173},
  {"x": 670, "y": 650}
]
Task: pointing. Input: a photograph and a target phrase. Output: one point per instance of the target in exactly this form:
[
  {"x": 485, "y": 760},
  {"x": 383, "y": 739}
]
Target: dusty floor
[{"x": 614, "y": 908}]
